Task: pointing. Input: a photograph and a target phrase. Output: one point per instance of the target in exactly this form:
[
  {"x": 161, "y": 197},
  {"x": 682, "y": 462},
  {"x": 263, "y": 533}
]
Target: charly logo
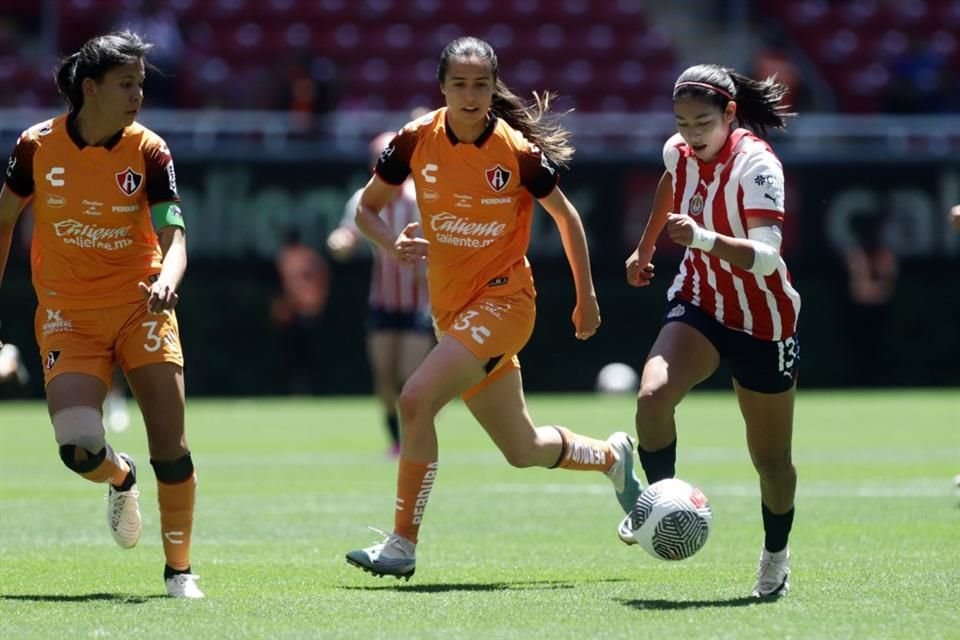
[
  {"x": 129, "y": 181},
  {"x": 497, "y": 178}
]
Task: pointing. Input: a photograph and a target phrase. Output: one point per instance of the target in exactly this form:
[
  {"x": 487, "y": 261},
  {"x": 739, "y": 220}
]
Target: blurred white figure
[
  {"x": 115, "y": 412},
  {"x": 617, "y": 377},
  {"x": 11, "y": 364}
]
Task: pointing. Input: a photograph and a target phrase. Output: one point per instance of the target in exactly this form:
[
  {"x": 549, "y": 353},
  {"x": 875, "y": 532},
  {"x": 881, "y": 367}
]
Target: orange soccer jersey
[
  {"x": 476, "y": 203},
  {"x": 93, "y": 239}
]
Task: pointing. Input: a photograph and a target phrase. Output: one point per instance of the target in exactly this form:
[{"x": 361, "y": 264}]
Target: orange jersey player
[
  {"x": 477, "y": 165},
  {"x": 108, "y": 254}
]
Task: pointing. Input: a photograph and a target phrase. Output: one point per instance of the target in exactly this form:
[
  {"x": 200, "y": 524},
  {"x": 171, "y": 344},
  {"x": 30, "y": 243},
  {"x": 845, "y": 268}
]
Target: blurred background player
[
  {"x": 399, "y": 327},
  {"x": 485, "y": 156},
  {"x": 722, "y": 197},
  {"x": 298, "y": 310},
  {"x": 108, "y": 254},
  {"x": 11, "y": 365}
]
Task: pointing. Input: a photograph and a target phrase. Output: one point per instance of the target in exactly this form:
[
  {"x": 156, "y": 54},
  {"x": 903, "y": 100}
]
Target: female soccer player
[
  {"x": 399, "y": 329},
  {"x": 722, "y": 198},
  {"x": 477, "y": 165},
  {"x": 108, "y": 254}
]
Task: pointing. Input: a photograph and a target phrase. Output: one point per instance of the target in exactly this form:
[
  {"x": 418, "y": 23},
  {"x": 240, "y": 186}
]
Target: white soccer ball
[
  {"x": 671, "y": 520},
  {"x": 617, "y": 377}
]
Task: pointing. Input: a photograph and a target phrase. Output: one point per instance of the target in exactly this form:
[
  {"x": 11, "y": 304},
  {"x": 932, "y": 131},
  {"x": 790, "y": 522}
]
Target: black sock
[
  {"x": 169, "y": 572},
  {"x": 393, "y": 426},
  {"x": 776, "y": 528},
  {"x": 659, "y": 465}
]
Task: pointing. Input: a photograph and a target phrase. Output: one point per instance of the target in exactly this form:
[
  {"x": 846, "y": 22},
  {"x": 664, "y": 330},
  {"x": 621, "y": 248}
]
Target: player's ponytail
[
  {"x": 529, "y": 118},
  {"x": 758, "y": 101},
  {"x": 94, "y": 59}
]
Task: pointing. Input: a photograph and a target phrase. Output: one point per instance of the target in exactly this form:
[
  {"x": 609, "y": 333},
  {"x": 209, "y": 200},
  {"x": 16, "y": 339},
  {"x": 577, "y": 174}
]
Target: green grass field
[{"x": 286, "y": 487}]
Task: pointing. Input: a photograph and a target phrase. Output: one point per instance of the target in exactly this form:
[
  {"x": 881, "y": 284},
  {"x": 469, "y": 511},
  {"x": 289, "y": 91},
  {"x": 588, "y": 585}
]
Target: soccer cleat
[
  {"x": 625, "y": 481},
  {"x": 123, "y": 511},
  {"x": 184, "y": 585},
  {"x": 625, "y": 531},
  {"x": 393, "y": 556},
  {"x": 773, "y": 574}
]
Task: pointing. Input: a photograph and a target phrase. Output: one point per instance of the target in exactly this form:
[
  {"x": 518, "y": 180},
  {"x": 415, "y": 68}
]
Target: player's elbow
[{"x": 766, "y": 259}]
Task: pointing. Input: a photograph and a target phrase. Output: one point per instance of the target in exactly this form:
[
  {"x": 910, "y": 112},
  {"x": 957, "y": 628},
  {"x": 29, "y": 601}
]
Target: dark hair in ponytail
[
  {"x": 758, "y": 102},
  {"x": 529, "y": 118},
  {"x": 94, "y": 59}
]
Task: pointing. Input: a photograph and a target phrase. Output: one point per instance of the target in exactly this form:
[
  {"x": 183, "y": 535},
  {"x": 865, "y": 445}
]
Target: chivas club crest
[
  {"x": 696, "y": 204},
  {"x": 497, "y": 178},
  {"x": 129, "y": 181}
]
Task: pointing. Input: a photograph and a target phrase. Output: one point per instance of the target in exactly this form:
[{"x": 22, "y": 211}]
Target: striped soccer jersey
[{"x": 743, "y": 182}]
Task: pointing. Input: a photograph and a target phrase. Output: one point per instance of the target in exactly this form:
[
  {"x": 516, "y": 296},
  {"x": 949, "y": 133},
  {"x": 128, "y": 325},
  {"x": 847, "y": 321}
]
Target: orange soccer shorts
[
  {"x": 494, "y": 329},
  {"x": 91, "y": 341}
]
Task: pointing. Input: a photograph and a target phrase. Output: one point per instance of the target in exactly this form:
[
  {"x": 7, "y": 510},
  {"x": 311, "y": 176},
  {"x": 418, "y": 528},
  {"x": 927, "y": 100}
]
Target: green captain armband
[{"x": 167, "y": 214}]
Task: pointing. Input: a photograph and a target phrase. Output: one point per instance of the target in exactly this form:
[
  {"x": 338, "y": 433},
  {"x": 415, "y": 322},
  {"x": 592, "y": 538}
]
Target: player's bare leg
[
  {"x": 159, "y": 391},
  {"x": 74, "y": 401},
  {"x": 449, "y": 370},
  {"x": 680, "y": 358},
  {"x": 769, "y": 424},
  {"x": 502, "y": 411}
]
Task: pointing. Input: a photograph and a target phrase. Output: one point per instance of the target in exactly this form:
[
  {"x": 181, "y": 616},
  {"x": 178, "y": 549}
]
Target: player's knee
[
  {"x": 173, "y": 471},
  {"x": 413, "y": 405},
  {"x": 655, "y": 404},
  {"x": 80, "y": 428},
  {"x": 772, "y": 466}
]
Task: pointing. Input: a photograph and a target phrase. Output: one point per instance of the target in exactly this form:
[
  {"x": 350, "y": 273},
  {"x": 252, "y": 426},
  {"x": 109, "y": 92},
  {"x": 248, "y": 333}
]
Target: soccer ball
[
  {"x": 617, "y": 377},
  {"x": 671, "y": 520}
]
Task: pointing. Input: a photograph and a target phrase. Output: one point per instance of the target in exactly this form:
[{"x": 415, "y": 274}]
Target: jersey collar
[
  {"x": 78, "y": 140},
  {"x": 729, "y": 147},
  {"x": 484, "y": 136}
]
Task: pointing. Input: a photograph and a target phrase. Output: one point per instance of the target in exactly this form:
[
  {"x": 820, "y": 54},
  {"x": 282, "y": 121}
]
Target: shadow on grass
[
  {"x": 119, "y": 598},
  {"x": 519, "y": 585},
  {"x": 664, "y": 605}
]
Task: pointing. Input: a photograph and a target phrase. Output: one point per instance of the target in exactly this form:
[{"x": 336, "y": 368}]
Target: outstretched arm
[
  {"x": 586, "y": 314},
  {"x": 639, "y": 265}
]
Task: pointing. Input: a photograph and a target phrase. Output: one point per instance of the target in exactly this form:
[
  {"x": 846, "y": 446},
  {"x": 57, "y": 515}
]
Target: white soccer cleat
[
  {"x": 123, "y": 511},
  {"x": 625, "y": 531},
  {"x": 184, "y": 585},
  {"x": 621, "y": 474},
  {"x": 773, "y": 574},
  {"x": 392, "y": 556}
]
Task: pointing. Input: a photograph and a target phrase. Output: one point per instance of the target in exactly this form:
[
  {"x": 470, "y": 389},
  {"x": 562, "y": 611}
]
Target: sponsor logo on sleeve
[{"x": 772, "y": 188}]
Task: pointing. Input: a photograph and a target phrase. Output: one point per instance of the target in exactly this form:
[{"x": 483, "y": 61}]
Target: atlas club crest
[
  {"x": 129, "y": 181},
  {"x": 497, "y": 178}
]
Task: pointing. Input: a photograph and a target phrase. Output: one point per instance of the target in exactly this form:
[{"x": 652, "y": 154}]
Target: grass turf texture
[{"x": 286, "y": 487}]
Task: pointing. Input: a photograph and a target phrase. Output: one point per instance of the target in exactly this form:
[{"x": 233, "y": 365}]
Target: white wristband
[{"x": 703, "y": 239}]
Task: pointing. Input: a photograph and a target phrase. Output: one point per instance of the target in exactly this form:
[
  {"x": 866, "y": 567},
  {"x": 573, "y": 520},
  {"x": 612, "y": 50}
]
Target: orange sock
[
  {"x": 414, "y": 484},
  {"x": 113, "y": 469},
  {"x": 581, "y": 453},
  {"x": 176, "y": 520}
]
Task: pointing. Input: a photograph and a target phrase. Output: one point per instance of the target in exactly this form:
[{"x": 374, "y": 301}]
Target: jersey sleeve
[
  {"x": 538, "y": 174},
  {"x": 762, "y": 185},
  {"x": 19, "y": 178},
  {"x": 161, "y": 177},
  {"x": 671, "y": 153},
  {"x": 393, "y": 166}
]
